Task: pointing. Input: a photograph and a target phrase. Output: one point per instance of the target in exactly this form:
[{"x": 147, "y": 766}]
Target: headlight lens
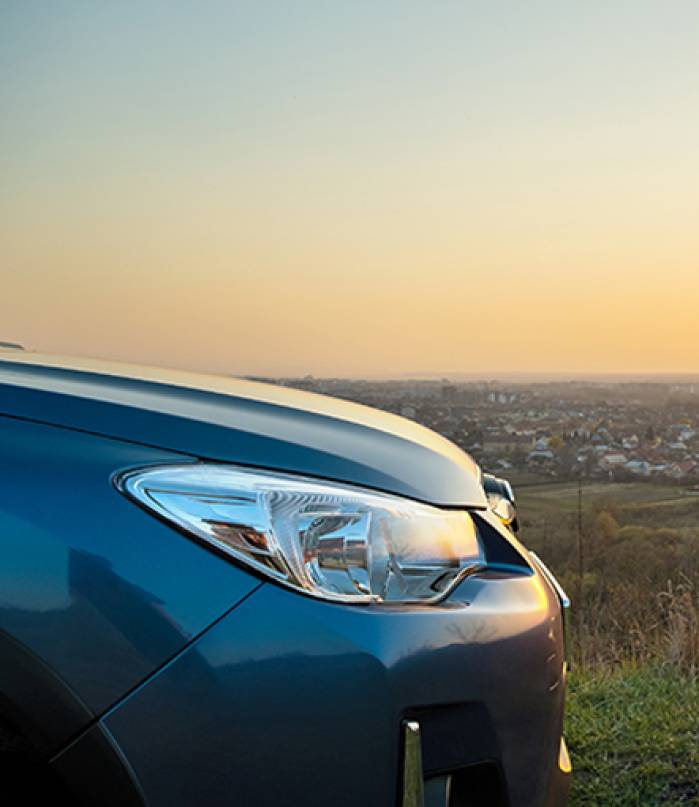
[{"x": 322, "y": 538}]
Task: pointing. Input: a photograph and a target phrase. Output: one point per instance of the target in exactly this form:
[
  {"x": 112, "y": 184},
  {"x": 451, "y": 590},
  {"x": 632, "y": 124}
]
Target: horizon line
[{"x": 662, "y": 375}]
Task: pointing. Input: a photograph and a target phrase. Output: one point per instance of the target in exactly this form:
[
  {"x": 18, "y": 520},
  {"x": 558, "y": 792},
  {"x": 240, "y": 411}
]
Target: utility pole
[{"x": 581, "y": 565}]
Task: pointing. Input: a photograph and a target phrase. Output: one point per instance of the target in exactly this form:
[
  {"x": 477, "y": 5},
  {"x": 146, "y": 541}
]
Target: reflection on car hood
[{"x": 243, "y": 422}]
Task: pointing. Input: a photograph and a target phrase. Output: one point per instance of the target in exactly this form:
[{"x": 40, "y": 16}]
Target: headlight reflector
[{"x": 325, "y": 539}]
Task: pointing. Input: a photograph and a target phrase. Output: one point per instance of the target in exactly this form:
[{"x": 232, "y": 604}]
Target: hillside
[{"x": 633, "y": 715}]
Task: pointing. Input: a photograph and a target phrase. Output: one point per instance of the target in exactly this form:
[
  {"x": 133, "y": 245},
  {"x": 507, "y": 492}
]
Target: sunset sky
[{"x": 351, "y": 188}]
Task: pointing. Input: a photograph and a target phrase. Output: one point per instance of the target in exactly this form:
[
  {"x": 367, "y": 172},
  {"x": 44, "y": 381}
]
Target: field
[
  {"x": 633, "y": 733},
  {"x": 555, "y": 498},
  {"x": 628, "y": 555}
]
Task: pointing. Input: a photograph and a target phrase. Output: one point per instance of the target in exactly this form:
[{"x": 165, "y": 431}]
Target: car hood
[{"x": 243, "y": 422}]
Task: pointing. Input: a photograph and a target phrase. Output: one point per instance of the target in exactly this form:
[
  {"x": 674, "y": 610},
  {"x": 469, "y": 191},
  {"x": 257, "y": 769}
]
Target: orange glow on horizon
[{"x": 457, "y": 196}]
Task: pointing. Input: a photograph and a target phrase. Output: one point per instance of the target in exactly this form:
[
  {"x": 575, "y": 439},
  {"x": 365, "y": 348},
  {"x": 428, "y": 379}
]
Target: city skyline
[{"x": 531, "y": 431}]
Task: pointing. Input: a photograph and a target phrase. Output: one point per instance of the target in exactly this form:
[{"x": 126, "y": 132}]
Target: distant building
[
  {"x": 613, "y": 461},
  {"x": 543, "y": 456},
  {"x": 448, "y": 392},
  {"x": 638, "y": 467}
]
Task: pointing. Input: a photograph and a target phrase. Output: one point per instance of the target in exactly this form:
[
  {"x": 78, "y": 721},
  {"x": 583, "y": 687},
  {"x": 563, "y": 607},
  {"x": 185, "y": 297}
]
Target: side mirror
[
  {"x": 505, "y": 511},
  {"x": 502, "y": 500}
]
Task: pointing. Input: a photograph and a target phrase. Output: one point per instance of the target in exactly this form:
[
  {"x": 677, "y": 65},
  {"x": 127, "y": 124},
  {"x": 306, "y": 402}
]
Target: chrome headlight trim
[{"x": 325, "y": 539}]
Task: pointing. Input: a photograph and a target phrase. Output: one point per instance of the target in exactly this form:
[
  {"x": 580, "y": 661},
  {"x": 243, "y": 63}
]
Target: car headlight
[{"x": 325, "y": 539}]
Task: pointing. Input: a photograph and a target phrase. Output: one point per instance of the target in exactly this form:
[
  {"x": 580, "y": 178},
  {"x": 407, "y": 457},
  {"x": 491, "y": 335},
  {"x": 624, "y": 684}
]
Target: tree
[{"x": 556, "y": 443}]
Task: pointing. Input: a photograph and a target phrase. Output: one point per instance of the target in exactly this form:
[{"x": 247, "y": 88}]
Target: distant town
[{"x": 558, "y": 430}]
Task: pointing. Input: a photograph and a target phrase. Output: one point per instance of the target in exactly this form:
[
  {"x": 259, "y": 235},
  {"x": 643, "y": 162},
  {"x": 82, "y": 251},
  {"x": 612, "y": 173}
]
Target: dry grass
[
  {"x": 633, "y": 705},
  {"x": 636, "y": 595}
]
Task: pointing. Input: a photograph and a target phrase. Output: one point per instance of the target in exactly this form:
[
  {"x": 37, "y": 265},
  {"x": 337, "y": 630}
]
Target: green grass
[
  {"x": 633, "y": 735},
  {"x": 632, "y": 726}
]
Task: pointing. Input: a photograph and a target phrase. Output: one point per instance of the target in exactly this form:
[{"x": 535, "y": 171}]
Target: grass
[
  {"x": 562, "y": 497},
  {"x": 633, "y": 705},
  {"x": 633, "y": 735}
]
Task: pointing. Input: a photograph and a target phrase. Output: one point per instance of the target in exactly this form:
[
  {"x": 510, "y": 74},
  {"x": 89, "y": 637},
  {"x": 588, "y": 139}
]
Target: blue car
[{"x": 218, "y": 592}]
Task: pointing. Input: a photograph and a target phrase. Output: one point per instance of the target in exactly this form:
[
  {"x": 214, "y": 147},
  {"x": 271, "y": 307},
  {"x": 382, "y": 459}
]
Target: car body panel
[
  {"x": 97, "y": 772},
  {"x": 93, "y": 590},
  {"x": 151, "y": 670},
  {"x": 243, "y": 422},
  {"x": 314, "y": 694}
]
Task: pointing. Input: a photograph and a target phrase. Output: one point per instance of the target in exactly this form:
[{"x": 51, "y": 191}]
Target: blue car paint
[
  {"x": 152, "y": 671},
  {"x": 331, "y": 439},
  {"x": 98, "y": 591},
  {"x": 315, "y": 692}
]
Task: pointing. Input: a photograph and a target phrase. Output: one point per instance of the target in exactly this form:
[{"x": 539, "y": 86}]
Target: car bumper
[{"x": 291, "y": 701}]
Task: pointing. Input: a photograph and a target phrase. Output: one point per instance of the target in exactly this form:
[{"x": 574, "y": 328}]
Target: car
[{"x": 215, "y": 591}]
